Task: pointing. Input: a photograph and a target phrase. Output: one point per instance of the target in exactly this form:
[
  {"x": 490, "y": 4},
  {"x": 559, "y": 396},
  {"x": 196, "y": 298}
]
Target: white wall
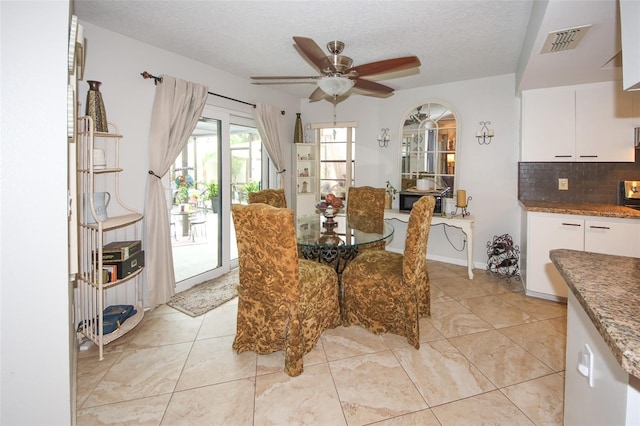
[
  {"x": 35, "y": 330},
  {"x": 488, "y": 172},
  {"x": 117, "y": 62}
]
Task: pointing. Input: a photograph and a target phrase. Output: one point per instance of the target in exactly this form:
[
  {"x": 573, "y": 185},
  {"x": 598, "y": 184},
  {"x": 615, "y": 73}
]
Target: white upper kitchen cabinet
[
  {"x": 585, "y": 123},
  {"x": 548, "y": 124},
  {"x": 604, "y": 123},
  {"x": 630, "y": 30}
]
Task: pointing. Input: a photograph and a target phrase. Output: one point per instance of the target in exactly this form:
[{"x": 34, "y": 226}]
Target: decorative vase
[
  {"x": 388, "y": 199},
  {"x": 298, "y": 133},
  {"x": 95, "y": 107}
]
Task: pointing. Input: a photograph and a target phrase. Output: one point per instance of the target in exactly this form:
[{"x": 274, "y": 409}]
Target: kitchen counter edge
[
  {"x": 608, "y": 290},
  {"x": 585, "y": 209}
]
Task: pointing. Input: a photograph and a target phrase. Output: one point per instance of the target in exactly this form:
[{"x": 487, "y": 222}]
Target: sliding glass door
[{"x": 218, "y": 166}]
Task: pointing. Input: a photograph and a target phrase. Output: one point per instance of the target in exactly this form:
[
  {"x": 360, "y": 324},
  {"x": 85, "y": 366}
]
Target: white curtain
[
  {"x": 177, "y": 107},
  {"x": 268, "y": 120}
]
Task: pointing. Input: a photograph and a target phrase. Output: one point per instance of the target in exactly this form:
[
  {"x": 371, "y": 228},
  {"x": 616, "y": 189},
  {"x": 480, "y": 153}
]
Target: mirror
[{"x": 428, "y": 157}]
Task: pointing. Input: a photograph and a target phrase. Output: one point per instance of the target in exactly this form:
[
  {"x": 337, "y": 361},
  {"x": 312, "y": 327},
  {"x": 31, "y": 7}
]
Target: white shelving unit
[
  {"x": 123, "y": 224},
  {"x": 307, "y": 178}
]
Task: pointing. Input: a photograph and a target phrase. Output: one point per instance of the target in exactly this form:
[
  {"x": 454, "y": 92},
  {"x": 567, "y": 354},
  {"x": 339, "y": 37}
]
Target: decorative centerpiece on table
[{"x": 330, "y": 207}]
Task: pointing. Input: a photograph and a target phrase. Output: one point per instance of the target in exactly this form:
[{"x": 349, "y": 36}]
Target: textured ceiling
[{"x": 454, "y": 39}]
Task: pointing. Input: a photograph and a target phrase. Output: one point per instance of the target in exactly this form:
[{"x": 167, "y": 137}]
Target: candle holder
[
  {"x": 484, "y": 135},
  {"x": 465, "y": 212}
]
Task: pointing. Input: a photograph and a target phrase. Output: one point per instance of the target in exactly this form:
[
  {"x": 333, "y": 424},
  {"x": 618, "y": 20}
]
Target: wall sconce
[
  {"x": 384, "y": 138},
  {"x": 309, "y": 135},
  {"x": 484, "y": 135}
]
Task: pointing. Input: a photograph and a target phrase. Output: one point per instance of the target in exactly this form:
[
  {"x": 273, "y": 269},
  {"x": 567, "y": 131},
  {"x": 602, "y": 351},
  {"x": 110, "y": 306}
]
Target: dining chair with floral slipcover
[
  {"x": 273, "y": 197},
  {"x": 284, "y": 303},
  {"x": 365, "y": 212},
  {"x": 389, "y": 292}
]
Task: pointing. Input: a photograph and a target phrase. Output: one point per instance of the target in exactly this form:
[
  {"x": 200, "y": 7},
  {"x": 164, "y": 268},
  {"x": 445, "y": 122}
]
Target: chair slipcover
[
  {"x": 273, "y": 197},
  {"x": 389, "y": 292},
  {"x": 284, "y": 303},
  {"x": 365, "y": 211}
]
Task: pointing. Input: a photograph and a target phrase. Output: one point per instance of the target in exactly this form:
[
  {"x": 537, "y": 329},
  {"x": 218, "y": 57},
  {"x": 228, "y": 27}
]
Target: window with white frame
[{"x": 337, "y": 158}]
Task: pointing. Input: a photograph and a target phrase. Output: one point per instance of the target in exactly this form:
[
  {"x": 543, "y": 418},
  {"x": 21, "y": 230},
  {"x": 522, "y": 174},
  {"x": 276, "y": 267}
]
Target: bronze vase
[
  {"x": 298, "y": 133},
  {"x": 388, "y": 201},
  {"x": 95, "y": 107}
]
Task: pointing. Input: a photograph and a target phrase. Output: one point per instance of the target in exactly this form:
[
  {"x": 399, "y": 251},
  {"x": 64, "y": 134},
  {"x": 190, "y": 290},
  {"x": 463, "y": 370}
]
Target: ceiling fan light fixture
[{"x": 335, "y": 85}]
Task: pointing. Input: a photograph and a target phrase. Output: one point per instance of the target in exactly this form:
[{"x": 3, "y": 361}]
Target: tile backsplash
[{"x": 588, "y": 182}]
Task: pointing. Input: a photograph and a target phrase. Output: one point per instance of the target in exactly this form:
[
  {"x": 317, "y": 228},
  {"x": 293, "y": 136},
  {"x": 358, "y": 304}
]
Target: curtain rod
[{"x": 157, "y": 80}]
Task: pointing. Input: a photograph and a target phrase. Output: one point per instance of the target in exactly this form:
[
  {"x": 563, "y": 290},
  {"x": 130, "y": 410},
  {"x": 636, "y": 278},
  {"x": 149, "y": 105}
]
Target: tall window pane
[
  {"x": 246, "y": 162},
  {"x": 337, "y": 149}
]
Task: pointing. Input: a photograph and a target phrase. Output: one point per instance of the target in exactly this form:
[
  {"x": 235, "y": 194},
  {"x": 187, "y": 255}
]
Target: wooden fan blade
[
  {"x": 372, "y": 86},
  {"x": 388, "y": 65},
  {"x": 314, "y": 53},
  {"x": 317, "y": 95}
]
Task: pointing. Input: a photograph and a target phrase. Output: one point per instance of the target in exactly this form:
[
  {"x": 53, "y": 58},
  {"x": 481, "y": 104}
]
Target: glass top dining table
[{"x": 336, "y": 240}]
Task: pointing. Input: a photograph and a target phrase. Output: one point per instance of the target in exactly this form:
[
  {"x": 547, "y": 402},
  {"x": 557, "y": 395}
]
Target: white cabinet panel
[
  {"x": 548, "y": 125},
  {"x": 630, "y": 30},
  {"x": 604, "y": 403},
  {"x": 587, "y": 123},
  {"x": 618, "y": 237},
  {"x": 548, "y": 231},
  {"x": 544, "y": 233},
  {"x": 604, "y": 124}
]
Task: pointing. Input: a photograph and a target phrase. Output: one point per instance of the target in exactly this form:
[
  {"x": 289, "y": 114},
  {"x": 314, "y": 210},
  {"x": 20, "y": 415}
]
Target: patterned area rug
[{"x": 204, "y": 297}]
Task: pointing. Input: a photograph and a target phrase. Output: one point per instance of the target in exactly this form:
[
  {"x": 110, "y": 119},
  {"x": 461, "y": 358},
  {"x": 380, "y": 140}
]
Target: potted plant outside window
[
  {"x": 183, "y": 195},
  {"x": 211, "y": 192},
  {"x": 247, "y": 188}
]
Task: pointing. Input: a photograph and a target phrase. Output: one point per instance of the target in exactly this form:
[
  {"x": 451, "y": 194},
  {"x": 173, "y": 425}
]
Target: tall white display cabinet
[
  {"x": 122, "y": 223},
  {"x": 307, "y": 181}
]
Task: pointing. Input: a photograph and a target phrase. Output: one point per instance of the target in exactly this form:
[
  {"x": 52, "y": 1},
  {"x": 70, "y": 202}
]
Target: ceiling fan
[
  {"x": 337, "y": 73},
  {"x": 417, "y": 118}
]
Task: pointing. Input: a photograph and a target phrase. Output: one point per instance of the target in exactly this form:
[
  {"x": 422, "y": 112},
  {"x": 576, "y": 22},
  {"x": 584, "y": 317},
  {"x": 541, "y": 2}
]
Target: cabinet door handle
[
  {"x": 588, "y": 156},
  {"x": 598, "y": 227},
  {"x": 570, "y": 224},
  {"x": 563, "y": 156}
]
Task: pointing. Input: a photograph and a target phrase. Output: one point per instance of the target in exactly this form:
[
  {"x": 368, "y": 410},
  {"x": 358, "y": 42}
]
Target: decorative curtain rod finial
[{"x": 146, "y": 75}]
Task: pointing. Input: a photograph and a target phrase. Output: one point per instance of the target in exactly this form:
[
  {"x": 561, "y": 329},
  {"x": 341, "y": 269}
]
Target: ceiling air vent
[{"x": 560, "y": 40}]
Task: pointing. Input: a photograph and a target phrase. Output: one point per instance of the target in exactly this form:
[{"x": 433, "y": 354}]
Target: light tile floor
[{"x": 488, "y": 355}]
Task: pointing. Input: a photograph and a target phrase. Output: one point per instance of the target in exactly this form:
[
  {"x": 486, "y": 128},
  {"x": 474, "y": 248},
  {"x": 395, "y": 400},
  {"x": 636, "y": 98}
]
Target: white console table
[{"x": 465, "y": 224}]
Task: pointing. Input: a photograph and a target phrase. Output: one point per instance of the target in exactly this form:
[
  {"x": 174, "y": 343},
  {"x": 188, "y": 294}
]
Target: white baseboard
[{"x": 444, "y": 259}]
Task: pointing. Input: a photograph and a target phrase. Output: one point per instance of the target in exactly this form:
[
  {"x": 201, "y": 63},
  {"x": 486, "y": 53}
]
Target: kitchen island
[{"x": 602, "y": 376}]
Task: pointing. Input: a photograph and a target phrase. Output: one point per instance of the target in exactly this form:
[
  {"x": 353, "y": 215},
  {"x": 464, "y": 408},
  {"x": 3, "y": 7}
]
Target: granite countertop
[
  {"x": 586, "y": 209},
  {"x": 608, "y": 288}
]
